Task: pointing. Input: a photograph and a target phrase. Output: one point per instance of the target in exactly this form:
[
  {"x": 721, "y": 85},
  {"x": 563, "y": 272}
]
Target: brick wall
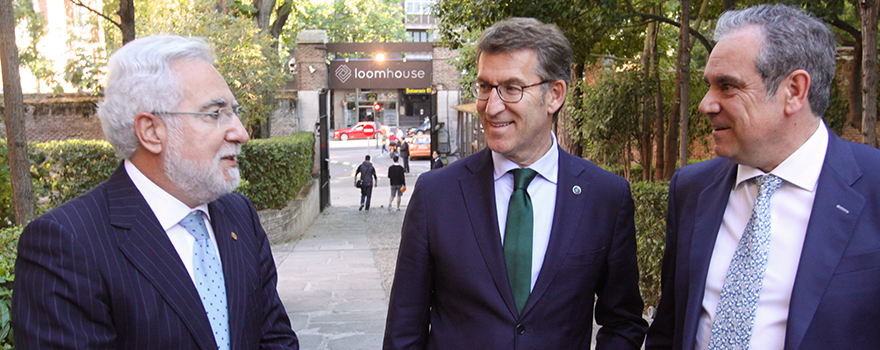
[
  {"x": 444, "y": 72},
  {"x": 62, "y": 117}
]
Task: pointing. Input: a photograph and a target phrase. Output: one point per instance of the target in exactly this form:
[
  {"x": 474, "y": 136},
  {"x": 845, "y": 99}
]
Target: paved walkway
[{"x": 335, "y": 281}]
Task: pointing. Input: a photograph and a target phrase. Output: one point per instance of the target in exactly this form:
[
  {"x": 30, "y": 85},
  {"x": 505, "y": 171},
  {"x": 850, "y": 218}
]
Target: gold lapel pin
[
  {"x": 234, "y": 236},
  {"x": 576, "y": 189}
]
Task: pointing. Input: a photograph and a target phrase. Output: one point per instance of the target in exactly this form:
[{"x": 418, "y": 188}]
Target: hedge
[
  {"x": 273, "y": 171},
  {"x": 8, "y": 245},
  {"x": 650, "y": 217}
]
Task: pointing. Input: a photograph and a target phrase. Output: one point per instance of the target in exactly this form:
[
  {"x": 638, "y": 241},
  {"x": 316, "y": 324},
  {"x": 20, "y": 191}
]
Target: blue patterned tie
[
  {"x": 738, "y": 302},
  {"x": 208, "y": 278}
]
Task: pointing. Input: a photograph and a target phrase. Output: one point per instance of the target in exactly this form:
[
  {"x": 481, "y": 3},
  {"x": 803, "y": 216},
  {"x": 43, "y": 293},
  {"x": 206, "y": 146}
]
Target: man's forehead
[{"x": 514, "y": 66}]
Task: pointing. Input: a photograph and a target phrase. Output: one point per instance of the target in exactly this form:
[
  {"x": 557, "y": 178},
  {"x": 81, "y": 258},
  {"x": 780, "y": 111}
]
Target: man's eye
[{"x": 511, "y": 89}]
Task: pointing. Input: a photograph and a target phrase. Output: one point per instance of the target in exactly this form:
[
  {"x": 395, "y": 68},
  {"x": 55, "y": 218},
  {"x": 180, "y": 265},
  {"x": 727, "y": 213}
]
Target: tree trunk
[
  {"x": 126, "y": 20},
  {"x": 671, "y": 149},
  {"x": 281, "y": 16},
  {"x": 728, "y": 5},
  {"x": 264, "y": 13},
  {"x": 646, "y": 146},
  {"x": 684, "y": 66},
  {"x": 855, "y": 86},
  {"x": 868, "y": 13},
  {"x": 19, "y": 167},
  {"x": 563, "y": 137},
  {"x": 659, "y": 123}
]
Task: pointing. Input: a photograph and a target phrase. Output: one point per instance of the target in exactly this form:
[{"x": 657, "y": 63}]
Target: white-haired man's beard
[{"x": 202, "y": 181}]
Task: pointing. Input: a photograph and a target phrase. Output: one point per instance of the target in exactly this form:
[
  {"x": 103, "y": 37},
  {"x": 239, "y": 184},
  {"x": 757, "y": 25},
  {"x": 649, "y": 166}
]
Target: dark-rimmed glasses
[{"x": 509, "y": 93}]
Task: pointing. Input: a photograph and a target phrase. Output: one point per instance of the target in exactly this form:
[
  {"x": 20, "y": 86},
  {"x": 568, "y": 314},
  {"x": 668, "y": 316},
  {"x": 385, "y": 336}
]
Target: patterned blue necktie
[
  {"x": 738, "y": 302},
  {"x": 208, "y": 278}
]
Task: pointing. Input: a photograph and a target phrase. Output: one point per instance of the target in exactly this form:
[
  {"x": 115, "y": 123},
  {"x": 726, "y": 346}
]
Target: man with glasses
[
  {"x": 162, "y": 255},
  {"x": 517, "y": 245}
]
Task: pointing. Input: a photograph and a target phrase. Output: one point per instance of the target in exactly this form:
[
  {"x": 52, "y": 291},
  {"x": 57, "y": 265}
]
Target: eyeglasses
[
  {"x": 507, "y": 92},
  {"x": 220, "y": 116}
]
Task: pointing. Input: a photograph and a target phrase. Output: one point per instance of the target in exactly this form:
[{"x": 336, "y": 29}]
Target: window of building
[
  {"x": 418, "y": 7},
  {"x": 419, "y": 36}
]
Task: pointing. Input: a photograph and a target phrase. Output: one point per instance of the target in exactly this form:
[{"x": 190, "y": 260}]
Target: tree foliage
[
  {"x": 245, "y": 57},
  {"x": 348, "y": 20}
]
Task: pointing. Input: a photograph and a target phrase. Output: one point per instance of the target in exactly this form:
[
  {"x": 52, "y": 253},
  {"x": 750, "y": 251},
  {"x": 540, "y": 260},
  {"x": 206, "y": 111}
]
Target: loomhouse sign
[{"x": 388, "y": 74}]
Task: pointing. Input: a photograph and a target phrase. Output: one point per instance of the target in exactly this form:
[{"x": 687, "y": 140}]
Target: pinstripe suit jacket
[{"x": 99, "y": 272}]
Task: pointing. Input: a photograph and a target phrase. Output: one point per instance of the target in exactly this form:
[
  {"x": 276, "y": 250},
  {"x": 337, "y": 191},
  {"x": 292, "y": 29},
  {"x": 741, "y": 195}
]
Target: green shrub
[
  {"x": 650, "y": 217},
  {"x": 7, "y": 211},
  {"x": 274, "y": 170},
  {"x": 67, "y": 169},
  {"x": 8, "y": 247}
]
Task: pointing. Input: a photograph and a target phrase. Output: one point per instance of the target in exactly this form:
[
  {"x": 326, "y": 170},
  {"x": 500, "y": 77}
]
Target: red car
[{"x": 357, "y": 131}]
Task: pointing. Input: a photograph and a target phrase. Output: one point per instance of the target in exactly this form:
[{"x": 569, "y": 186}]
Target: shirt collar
[
  {"x": 801, "y": 168},
  {"x": 547, "y": 166},
  {"x": 168, "y": 210}
]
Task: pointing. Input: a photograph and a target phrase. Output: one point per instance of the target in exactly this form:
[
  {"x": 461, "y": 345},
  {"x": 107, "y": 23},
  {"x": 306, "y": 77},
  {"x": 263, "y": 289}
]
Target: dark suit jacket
[
  {"x": 451, "y": 289},
  {"x": 100, "y": 273},
  {"x": 834, "y": 300}
]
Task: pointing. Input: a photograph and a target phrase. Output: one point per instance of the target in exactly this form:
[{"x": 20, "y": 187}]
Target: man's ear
[
  {"x": 556, "y": 95},
  {"x": 151, "y": 132},
  {"x": 795, "y": 88}
]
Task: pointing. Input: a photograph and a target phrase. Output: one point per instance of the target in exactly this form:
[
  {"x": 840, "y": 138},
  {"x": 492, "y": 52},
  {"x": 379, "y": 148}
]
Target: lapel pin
[
  {"x": 234, "y": 236},
  {"x": 576, "y": 189},
  {"x": 844, "y": 210}
]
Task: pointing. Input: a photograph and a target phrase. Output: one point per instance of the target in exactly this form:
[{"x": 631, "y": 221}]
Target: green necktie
[{"x": 518, "y": 237}]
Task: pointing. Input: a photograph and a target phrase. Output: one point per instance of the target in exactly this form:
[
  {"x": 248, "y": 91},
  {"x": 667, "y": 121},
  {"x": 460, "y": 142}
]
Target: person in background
[
  {"x": 775, "y": 244},
  {"x": 369, "y": 180},
  {"x": 162, "y": 255},
  {"x": 436, "y": 162},
  {"x": 516, "y": 246},
  {"x": 404, "y": 153},
  {"x": 398, "y": 182}
]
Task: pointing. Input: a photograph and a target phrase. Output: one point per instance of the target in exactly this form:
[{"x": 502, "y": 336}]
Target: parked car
[
  {"x": 421, "y": 129},
  {"x": 357, "y": 131},
  {"x": 420, "y": 146}
]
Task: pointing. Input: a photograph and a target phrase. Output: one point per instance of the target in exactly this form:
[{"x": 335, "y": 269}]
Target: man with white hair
[{"x": 162, "y": 255}]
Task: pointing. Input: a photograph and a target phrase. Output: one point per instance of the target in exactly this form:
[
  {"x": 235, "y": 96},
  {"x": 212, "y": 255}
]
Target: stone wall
[{"x": 291, "y": 222}]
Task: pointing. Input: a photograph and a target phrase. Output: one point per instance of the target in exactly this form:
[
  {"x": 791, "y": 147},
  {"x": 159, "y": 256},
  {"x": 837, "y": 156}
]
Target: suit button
[{"x": 520, "y": 329}]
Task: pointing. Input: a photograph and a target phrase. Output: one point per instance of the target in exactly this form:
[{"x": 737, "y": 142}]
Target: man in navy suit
[
  {"x": 115, "y": 267},
  {"x": 466, "y": 277},
  {"x": 816, "y": 263}
]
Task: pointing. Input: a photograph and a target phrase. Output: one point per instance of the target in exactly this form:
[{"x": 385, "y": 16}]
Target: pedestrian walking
[
  {"x": 404, "y": 153},
  {"x": 398, "y": 182},
  {"x": 368, "y": 181}
]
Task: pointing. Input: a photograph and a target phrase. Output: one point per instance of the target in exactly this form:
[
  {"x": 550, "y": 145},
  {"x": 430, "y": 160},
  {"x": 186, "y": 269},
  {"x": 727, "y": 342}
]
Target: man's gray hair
[
  {"x": 791, "y": 39},
  {"x": 141, "y": 80}
]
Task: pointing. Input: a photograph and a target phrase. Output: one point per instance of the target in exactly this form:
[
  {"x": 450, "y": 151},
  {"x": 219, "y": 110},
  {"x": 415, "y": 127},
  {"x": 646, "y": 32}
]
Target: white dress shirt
[
  {"x": 790, "y": 209},
  {"x": 542, "y": 191},
  {"x": 170, "y": 211}
]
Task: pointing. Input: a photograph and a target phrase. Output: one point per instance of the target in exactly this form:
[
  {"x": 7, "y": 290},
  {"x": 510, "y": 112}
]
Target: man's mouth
[{"x": 498, "y": 125}]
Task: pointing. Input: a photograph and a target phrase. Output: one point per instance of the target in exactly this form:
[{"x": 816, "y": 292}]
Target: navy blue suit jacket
[
  {"x": 99, "y": 272},
  {"x": 834, "y": 300},
  {"x": 451, "y": 289}
]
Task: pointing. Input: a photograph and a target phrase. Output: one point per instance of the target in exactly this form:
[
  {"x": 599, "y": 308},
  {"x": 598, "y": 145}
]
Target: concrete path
[{"x": 335, "y": 281}]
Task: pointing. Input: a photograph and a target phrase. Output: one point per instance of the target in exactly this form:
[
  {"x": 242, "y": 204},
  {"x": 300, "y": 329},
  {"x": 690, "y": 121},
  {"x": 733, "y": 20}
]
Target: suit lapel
[
  {"x": 149, "y": 250},
  {"x": 478, "y": 191},
  {"x": 568, "y": 207},
  {"x": 236, "y": 291},
  {"x": 707, "y": 221},
  {"x": 828, "y": 234}
]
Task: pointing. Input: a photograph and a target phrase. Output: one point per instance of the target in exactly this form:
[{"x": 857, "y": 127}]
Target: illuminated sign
[
  {"x": 386, "y": 75},
  {"x": 418, "y": 91}
]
